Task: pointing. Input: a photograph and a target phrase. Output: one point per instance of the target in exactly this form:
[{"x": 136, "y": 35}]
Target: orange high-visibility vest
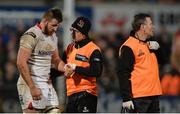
[
  {"x": 171, "y": 84},
  {"x": 174, "y": 88},
  {"x": 80, "y": 57},
  {"x": 145, "y": 75},
  {"x": 165, "y": 83}
]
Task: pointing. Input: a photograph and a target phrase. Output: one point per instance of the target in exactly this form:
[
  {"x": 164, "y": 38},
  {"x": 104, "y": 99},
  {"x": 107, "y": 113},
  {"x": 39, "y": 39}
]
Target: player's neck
[
  {"x": 39, "y": 26},
  {"x": 139, "y": 35}
]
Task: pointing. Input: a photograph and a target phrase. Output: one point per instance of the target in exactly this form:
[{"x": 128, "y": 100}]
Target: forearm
[
  {"x": 58, "y": 64},
  {"x": 89, "y": 71},
  {"x": 125, "y": 85},
  {"x": 95, "y": 68},
  {"x": 25, "y": 73},
  {"x": 126, "y": 65},
  {"x": 61, "y": 66}
]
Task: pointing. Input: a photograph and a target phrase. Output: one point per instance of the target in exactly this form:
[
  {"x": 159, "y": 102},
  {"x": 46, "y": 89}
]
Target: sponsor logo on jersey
[{"x": 42, "y": 52}]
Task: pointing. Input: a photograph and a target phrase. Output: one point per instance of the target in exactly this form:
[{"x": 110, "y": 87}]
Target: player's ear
[{"x": 45, "y": 21}]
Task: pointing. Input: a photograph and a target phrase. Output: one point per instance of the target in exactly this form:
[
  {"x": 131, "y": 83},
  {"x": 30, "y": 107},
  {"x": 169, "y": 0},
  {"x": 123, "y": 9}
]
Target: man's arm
[
  {"x": 57, "y": 61},
  {"x": 28, "y": 42},
  {"x": 125, "y": 65},
  {"x": 95, "y": 68},
  {"x": 158, "y": 50},
  {"x": 54, "y": 72},
  {"x": 22, "y": 59}
]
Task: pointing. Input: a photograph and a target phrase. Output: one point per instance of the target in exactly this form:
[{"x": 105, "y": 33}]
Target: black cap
[{"x": 82, "y": 24}]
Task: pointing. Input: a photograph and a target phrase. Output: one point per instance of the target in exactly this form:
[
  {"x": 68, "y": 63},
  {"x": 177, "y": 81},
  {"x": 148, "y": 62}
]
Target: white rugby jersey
[{"x": 42, "y": 47}]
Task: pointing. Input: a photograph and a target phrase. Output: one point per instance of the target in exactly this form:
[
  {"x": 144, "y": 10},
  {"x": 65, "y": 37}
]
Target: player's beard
[{"x": 46, "y": 31}]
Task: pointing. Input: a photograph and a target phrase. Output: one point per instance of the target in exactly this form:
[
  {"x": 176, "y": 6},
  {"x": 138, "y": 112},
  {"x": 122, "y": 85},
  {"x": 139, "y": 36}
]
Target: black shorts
[
  {"x": 144, "y": 105},
  {"x": 82, "y": 102}
]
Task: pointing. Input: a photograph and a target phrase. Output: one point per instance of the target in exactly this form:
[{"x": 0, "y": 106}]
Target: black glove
[{"x": 55, "y": 73}]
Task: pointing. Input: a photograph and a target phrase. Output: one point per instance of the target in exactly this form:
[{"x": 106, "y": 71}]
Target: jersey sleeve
[{"x": 28, "y": 40}]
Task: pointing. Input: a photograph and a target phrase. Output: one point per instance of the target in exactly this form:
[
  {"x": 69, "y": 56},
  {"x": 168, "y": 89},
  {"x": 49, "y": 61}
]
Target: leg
[
  {"x": 51, "y": 110},
  {"x": 71, "y": 104},
  {"x": 52, "y": 101},
  {"x": 142, "y": 104},
  {"x": 154, "y": 107},
  {"x": 25, "y": 98},
  {"x": 87, "y": 103},
  {"x": 26, "y": 101},
  {"x": 61, "y": 91},
  {"x": 29, "y": 111}
]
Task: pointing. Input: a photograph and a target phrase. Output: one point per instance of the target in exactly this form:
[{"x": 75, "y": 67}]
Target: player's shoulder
[{"x": 33, "y": 32}]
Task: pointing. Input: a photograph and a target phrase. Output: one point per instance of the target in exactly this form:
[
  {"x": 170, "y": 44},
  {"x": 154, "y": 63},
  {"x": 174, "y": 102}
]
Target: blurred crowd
[
  {"x": 136, "y": 1},
  {"x": 8, "y": 71},
  {"x": 109, "y": 43}
]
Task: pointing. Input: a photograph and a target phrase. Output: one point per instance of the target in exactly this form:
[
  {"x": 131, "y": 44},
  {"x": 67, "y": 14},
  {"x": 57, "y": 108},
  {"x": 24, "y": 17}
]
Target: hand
[
  {"x": 153, "y": 45},
  {"x": 35, "y": 93},
  {"x": 73, "y": 66},
  {"x": 128, "y": 105},
  {"x": 68, "y": 72},
  {"x": 69, "y": 69}
]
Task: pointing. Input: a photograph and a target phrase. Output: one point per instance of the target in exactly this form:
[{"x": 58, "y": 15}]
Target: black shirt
[{"x": 125, "y": 67}]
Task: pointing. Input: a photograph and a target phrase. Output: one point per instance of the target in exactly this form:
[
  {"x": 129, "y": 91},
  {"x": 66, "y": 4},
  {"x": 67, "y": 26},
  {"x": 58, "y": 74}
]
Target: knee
[
  {"x": 29, "y": 111},
  {"x": 52, "y": 110}
]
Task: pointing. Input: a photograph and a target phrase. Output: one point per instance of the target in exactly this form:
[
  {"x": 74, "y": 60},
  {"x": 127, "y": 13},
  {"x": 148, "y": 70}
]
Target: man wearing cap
[{"x": 84, "y": 65}]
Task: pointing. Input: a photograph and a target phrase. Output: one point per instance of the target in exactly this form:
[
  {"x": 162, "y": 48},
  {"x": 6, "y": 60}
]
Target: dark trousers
[
  {"x": 82, "y": 102},
  {"x": 147, "y": 104}
]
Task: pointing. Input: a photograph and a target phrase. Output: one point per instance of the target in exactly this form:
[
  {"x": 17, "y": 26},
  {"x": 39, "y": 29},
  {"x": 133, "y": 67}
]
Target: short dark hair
[
  {"x": 138, "y": 20},
  {"x": 53, "y": 13}
]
